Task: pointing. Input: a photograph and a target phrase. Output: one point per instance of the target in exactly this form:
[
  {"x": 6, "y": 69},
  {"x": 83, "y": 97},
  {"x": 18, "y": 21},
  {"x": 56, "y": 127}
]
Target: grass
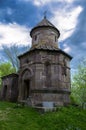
[{"x": 26, "y": 118}]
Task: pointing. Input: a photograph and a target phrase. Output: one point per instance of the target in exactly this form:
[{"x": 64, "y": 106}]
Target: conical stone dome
[{"x": 44, "y": 23}]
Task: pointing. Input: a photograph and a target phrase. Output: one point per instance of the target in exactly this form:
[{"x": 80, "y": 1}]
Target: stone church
[{"x": 43, "y": 78}]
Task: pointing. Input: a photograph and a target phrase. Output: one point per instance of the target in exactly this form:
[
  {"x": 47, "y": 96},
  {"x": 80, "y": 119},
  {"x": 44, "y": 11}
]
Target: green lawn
[{"x": 24, "y": 118}]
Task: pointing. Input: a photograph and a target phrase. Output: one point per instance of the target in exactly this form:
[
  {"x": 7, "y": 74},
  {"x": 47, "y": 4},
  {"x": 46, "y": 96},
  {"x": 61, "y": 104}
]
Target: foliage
[
  {"x": 5, "y": 69},
  {"x": 26, "y": 118},
  {"x": 79, "y": 85}
]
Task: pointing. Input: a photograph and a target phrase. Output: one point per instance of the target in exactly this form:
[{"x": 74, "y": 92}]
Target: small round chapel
[{"x": 44, "y": 74}]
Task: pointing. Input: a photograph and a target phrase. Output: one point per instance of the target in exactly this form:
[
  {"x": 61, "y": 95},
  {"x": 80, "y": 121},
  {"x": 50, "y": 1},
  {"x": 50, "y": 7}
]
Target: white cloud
[
  {"x": 14, "y": 34},
  {"x": 66, "y": 20},
  {"x": 44, "y": 2},
  {"x": 39, "y": 2},
  {"x": 66, "y": 48},
  {"x": 68, "y": 1}
]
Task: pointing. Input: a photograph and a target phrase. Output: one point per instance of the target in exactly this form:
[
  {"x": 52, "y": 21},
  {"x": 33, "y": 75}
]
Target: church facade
[{"x": 43, "y": 78}]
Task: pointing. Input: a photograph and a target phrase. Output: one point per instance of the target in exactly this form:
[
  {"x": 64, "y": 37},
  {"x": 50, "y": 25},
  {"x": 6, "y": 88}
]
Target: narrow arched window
[
  {"x": 48, "y": 74},
  {"x": 35, "y": 37}
]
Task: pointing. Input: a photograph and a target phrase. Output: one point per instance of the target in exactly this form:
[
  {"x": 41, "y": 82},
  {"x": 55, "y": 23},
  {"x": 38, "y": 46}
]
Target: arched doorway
[
  {"x": 26, "y": 83},
  {"x": 26, "y": 88}
]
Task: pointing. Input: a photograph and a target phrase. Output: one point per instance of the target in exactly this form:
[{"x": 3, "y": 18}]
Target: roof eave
[{"x": 45, "y": 27}]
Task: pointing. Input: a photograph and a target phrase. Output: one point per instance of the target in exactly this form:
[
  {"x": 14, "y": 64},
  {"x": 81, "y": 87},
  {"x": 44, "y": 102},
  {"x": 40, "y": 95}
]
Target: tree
[
  {"x": 11, "y": 54},
  {"x": 79, "y": 85},
  {"x": 5, "y": 69}
]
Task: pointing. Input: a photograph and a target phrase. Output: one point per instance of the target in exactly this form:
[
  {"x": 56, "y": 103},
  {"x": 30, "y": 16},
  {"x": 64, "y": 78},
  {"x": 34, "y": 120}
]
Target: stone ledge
[{"x": 50, "y": 91}]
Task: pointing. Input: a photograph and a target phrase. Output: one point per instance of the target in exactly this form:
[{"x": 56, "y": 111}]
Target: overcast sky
[{"x": 17, "y": 17}]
